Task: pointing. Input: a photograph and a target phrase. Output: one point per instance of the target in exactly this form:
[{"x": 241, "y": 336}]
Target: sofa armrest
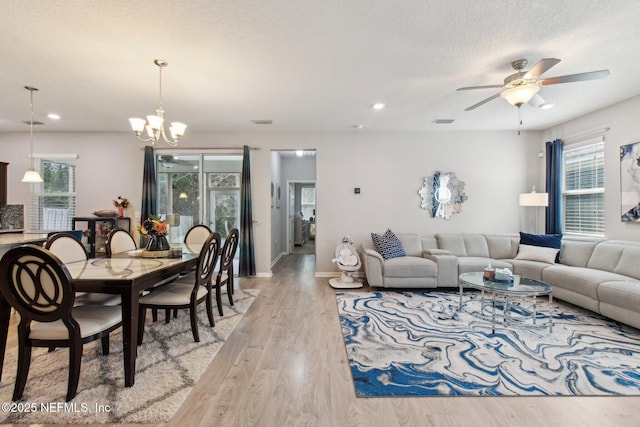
[
  {"x": 435, "y": 252},
  {"x": 447, "y": 268},
  {"x": 373, "y": 267}
]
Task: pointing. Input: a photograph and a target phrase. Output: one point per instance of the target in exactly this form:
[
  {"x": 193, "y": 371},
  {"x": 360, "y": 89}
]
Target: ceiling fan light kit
[
  {"x": 520, "y": 94},
  {"x": 522, "y": 86}
]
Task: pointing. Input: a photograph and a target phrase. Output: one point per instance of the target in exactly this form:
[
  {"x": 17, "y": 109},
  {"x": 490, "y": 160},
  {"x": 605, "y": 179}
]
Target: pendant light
[{"x": 31, "y": 175}]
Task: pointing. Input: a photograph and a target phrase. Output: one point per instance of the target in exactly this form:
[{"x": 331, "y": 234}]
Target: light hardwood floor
[{"x": 285, "y": 365}]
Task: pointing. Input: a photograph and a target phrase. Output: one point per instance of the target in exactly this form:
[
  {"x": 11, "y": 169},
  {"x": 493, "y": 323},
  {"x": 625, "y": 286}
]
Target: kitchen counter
[{"x": 8, "y": 240}]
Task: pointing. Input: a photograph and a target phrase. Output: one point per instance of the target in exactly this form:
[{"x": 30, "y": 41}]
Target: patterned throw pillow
[{"x": 388, "y": 245}]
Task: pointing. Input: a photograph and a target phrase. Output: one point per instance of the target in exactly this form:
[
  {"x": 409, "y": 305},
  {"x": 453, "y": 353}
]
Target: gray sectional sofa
[{"x": 599, "y": 275}]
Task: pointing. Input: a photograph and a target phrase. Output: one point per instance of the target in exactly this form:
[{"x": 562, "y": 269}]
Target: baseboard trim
[{"x": 277, "y": 258}]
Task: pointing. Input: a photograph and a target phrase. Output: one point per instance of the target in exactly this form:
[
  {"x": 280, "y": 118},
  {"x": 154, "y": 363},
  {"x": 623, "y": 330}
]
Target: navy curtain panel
[
  {"x": 247, "y": 265},
  {"x": 554, "y": 187},
  {"x": 149, "y": 201}
]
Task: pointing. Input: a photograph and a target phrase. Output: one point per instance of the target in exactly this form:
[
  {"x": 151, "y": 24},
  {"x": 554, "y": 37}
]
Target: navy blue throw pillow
[
  {"x": 388, "y": 245},
  {"x": 544, "y": 240}
]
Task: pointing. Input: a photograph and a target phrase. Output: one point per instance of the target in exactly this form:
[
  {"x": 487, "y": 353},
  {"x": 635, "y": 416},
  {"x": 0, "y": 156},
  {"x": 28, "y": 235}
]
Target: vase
[{"x": 158, "y": 243}]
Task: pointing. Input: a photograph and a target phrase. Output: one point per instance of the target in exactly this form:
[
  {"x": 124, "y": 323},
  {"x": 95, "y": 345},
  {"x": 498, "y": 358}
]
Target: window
[
  {"x": 53, "y": 202},
  {"x": 583, "y": 188},
  {"x": 308, "y": 202}
]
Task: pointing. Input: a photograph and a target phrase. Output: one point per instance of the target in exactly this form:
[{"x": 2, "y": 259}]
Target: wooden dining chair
[
  {"x": 225, "y": 274},
  {"x": 197, "y": 234},
  {"x": 69, "y": 249},
  {"x": 187, "y": 292},
  {"x": 39, "y": 287},
  {"x": 118, "y": 241}
]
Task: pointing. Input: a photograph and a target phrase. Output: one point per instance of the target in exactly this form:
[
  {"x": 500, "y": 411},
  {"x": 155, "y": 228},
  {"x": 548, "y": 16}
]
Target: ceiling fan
[{"x": 522, "y": 86}]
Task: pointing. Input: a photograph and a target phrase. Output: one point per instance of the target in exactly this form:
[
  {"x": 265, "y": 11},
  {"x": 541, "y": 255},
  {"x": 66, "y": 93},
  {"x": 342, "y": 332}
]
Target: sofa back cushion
[
  {"x": 617, "y": 256},
  {"x": 502, "y": 246},
  {"x": 464, "y": 244},
  {"x": 411, "y": 244},
  {"x": 629, "y": 263},
  {"x": 429, "y": 242},
  {"x": 605, "y": 256},
  {"x": 576, "y": 253}
]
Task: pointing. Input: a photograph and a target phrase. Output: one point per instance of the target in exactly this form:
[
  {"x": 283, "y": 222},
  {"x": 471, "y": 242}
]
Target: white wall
[
  {"x": 389, "y": 167},
  {"x": 624, "y": 124}
]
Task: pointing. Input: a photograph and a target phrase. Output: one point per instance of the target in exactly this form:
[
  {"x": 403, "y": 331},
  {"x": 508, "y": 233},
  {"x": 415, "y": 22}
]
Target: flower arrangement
[
  {"x": 153, "y": 226},
  {"x": 121, "y": 202}
]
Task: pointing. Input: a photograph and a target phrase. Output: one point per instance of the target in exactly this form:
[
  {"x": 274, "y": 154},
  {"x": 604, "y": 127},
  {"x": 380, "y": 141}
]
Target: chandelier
[
  {"x": 31, "y": 175},
  {"x": 155, "y": 124}
]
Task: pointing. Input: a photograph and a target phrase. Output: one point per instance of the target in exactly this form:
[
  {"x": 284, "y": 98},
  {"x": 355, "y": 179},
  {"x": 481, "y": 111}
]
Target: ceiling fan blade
[
  {"x": 540, "y": 68},
  {"x": 592, "y": 75},
  {"x": 484, "y": 101},
  {"x": 480, "y": 87}
]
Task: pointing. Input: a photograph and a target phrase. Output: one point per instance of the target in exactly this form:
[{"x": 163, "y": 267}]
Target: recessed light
[
  {"x": 53, "y": 116},
  {"x": 443, "y": 121},
  {"x": 546, "y": 106},
  {"x": 378, "y": 106},
  {"x": 357, "y": 127}
]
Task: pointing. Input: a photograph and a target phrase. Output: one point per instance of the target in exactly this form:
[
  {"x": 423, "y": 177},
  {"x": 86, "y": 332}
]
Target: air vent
[
  {"x": 262, "y": 122},
  {"x": 35, "y": 122},
  {"x": 443, "y": 121}
]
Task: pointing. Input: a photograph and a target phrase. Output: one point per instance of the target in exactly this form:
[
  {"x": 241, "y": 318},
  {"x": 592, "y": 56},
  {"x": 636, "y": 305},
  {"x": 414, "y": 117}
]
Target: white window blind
[
  {"x": 53, "y": 202},
  {"x": 583, "y": 187}
]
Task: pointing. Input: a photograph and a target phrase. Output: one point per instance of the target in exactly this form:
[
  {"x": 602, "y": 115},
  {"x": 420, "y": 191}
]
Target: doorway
[
  {"x": 293, "y": 176},
  {"x": 301, "y": 214}
]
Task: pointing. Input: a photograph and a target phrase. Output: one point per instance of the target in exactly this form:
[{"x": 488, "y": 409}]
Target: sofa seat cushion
[
  {"x": 624, "y": 294},
  {"x": 526, "y": 268},
  {"x": 620, "y": 301},
  {"x": 470, "y": 264},
  {"x": 580, "y": 280},
  {"x": 409, "y": 266}
]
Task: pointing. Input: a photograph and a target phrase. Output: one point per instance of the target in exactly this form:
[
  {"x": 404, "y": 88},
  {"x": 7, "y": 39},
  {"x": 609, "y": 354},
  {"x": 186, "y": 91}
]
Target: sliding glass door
[{"x": 199, "y": 189}]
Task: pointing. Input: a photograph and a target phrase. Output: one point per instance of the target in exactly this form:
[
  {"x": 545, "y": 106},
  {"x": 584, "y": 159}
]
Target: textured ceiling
[{"x": 308, "y": 65}]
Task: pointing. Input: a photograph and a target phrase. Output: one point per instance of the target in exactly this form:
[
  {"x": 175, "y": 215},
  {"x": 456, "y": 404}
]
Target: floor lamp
[{"x": 536, "y": 200}]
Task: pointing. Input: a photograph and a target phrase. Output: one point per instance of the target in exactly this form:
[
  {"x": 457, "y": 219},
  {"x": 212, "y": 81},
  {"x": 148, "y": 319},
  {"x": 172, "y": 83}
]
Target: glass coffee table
[{"x": 518, "y": 300}]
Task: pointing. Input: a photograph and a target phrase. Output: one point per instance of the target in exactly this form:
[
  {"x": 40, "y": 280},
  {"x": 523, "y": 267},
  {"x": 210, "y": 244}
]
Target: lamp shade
[
  {"x": 32, "y": 176},
  {"x": 521, "y": 94},
  {"x": 534, "y": 199}
]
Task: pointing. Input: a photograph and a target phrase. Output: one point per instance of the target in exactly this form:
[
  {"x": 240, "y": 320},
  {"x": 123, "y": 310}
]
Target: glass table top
[{"x": 520, "y": 286}]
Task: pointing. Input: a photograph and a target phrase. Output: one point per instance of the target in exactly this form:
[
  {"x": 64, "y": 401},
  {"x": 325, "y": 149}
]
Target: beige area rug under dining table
[{"x": 169, "y": 364}]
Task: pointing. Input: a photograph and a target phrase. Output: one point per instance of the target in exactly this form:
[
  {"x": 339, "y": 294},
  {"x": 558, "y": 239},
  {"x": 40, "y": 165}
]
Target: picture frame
[
  {"x": 630, "y": 182},
  {"x": 277, "y": 196}
]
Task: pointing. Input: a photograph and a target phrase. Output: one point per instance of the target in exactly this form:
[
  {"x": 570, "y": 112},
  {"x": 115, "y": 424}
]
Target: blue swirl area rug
[{"x": 419, "y": 344}]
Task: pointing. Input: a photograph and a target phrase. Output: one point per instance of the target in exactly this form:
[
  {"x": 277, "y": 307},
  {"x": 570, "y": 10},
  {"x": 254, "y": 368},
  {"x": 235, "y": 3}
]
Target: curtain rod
[{"x": 587, "y": 134}]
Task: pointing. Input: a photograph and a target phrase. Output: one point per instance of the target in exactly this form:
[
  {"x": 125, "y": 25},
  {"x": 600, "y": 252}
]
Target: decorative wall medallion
[{"x": 442, "y": 194}]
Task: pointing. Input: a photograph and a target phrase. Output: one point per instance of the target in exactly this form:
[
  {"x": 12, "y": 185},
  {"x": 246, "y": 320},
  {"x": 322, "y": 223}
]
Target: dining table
[{"x": 126, "y": 274}]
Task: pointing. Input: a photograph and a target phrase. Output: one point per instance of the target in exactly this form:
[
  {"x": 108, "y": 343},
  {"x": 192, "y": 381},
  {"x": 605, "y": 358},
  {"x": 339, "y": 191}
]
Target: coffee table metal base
[{"x": 507, "y": 305}]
